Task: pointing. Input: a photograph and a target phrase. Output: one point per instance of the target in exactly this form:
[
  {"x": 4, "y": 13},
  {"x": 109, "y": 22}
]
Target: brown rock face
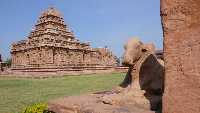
[{"x": 181, "y": 26}]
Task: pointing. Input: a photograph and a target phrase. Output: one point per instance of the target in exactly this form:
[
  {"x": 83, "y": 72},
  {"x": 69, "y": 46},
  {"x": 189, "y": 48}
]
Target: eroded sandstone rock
[
  {"x": 90, "y": 104},
  {"x": 181, "y": 26}
]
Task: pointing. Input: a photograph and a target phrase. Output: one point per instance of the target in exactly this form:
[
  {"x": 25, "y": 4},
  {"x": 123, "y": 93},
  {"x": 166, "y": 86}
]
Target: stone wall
[
  {"x": 181, "y": 26},
  {"x": 45, "y": 57}
]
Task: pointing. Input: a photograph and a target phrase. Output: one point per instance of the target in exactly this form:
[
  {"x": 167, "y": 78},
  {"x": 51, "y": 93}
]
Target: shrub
[{"x": 36, "y": 108}]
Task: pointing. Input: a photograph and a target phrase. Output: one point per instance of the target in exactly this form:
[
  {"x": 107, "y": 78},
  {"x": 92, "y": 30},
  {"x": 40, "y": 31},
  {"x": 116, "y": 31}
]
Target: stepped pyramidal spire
[{"x": 51, "y": 22}]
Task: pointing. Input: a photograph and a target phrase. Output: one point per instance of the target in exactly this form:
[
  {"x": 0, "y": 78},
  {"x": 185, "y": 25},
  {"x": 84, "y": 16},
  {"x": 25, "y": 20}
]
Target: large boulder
[{"x": 90, "y": 104}]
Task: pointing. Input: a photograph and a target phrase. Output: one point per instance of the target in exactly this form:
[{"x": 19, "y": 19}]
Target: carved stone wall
[
  {"x": 59, "y": 57},
  {"x": 181, "y": 26}
]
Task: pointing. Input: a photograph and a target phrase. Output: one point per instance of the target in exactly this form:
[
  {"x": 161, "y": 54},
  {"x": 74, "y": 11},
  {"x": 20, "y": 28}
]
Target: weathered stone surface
[
  {"x": 52, "y": 45},
  {"x": 91, "y": 104},
  {"x": 181, "y": 26}
]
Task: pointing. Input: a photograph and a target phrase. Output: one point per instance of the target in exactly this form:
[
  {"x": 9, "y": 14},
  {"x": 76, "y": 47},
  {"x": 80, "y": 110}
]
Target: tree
[
  {"x": 8, "y": 62},
  {"x": 117, "y": 60}
]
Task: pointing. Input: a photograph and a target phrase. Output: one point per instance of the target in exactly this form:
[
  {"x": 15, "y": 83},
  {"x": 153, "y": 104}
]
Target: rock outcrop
[{"x": 181, "y": 26}]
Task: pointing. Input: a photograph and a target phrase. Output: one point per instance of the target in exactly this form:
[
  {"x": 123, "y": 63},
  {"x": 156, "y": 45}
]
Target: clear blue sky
[{"x": 100, "y": 22}]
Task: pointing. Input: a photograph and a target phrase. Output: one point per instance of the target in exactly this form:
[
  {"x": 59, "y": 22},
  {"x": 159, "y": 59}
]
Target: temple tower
[{"x": 52, "y": 45}]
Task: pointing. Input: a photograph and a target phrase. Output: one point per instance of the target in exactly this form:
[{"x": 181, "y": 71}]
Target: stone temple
[{"x": 51, "y": 45}]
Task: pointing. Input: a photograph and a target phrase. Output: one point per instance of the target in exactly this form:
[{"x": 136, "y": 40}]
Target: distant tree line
[{"x": 6, "y": 63}]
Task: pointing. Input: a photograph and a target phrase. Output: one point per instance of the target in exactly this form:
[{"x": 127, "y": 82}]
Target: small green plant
[{"x": 36, "y": 108}]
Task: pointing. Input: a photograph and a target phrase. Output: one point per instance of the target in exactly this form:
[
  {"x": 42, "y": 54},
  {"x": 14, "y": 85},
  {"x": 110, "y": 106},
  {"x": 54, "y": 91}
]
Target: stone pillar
[{"x": 181, "y": 26}]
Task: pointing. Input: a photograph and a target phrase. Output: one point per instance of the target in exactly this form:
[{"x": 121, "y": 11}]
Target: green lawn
[{"x": 17, "y": 93}]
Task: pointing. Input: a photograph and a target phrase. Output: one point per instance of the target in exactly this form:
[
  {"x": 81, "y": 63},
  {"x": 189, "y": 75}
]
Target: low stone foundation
[{"x": 58, "y": 72}]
